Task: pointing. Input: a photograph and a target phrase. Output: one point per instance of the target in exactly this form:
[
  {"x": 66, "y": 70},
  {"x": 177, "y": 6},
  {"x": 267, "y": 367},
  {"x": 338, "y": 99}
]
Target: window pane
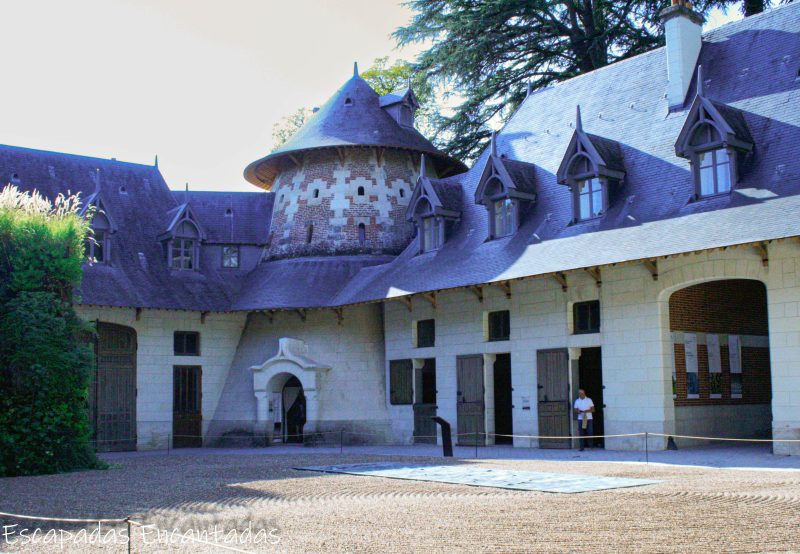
[
  {"x": 99, "y": 247},
  {"x": 499, "y": 325},
  {"x": 597, "y": 201},
  {"x": 705, "y": 159},
  {"x": 706, "y": 181},
  {"x": 723, "y": 170},
  {"x": 428, "y": 227},
  {"x": 426, "y": 333},
  {"x": 230, "y": 256},
  {"x": 586, "y": 317},
  {"x": 584, "y": 200}
]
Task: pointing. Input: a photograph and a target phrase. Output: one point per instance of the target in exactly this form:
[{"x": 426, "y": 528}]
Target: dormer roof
[
  {"x": 728, "y": 121},
  {"x": 518, "y": 178},
  {"x": 353, "y": 117},
  {"x": 405, "y": 94},
  {"x": 95, "y": 200},
  {"x": 604, "y": 155},
  {"x": 445, "y": 199},
  {"x": 178, "y": 215}
]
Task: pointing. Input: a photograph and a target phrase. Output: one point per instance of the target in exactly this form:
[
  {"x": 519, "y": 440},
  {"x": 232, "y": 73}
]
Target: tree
[
  {"x": 488, "y": 52},
  {"x": 382, "y": 77},
  {"x": 45, "y": 361}
]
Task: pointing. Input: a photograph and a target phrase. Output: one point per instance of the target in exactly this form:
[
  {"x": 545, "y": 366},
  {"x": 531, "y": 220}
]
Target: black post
[
  {"x": 130, "y": 538},
  {"x": 646, "y": 449},
  {"x": 476, "y": 444},
  {"x": 447, "y": 440},
  {"x": 341, "y": 441}
]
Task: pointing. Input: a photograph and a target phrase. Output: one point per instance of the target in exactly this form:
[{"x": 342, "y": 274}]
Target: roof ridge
[{"x": 82, "y": 156}]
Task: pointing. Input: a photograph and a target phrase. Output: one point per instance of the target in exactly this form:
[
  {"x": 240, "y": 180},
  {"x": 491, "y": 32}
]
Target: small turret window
[
  {"x": 360, "y": 191},
  {"x": 316, "y": 193},
  {"x": 348, "y": 101},
  {"x": 362, "y": 234},
  {"x": 402, "y": 193},
  {"x": 309, "y": 233}
]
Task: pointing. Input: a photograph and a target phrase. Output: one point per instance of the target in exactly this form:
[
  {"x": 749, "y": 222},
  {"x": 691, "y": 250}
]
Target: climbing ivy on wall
[{"x": 45, "y": 361}]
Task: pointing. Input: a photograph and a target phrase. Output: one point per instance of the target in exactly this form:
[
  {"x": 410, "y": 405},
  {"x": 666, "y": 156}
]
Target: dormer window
[
  {"x": 434, "y": 208},
  {"x": 184, "y": 247},
  {"x": 505, "y": 188},
  {"x": 98, "y": 245},
  {"x": 592, "y": 168},
  {"x": 713, "y": 137},
  {"x": 348, "y": 102}
]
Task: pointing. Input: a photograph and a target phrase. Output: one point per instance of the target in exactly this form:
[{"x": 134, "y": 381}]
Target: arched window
[
  {"x": 402, "y": 193},
  {"x": 360, "y": 191},
  {"x": 362, "y": 234},
  {"x": 316, "y": 193},
  {"x": 711, "y": 160},
  {"x": 185, "y": 247},
  {"x": 98, "y": 244},
  {"x": 309, "y": 233}
]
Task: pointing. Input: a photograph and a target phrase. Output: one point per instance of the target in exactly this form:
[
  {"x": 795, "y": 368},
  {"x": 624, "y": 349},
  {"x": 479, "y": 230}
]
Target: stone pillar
[
  {"x": 574, "y": 385},
  {"x": 263, "y": 425}
]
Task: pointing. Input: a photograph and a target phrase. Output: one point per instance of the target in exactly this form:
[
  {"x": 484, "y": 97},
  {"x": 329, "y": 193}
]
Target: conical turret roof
[{"x": 353, "y": 117}]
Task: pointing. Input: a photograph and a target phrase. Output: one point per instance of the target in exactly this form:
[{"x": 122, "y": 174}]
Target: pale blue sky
[{"x": 198, "y": 82}]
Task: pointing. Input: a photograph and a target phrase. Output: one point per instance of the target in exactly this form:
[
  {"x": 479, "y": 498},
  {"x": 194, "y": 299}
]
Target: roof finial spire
[
  {"x": 156, "y": 162},
  {"x": 96, "y": 180},
  {"x": 186, "y": 193},
  {"x": 355, "y": 69},
  {"x": 529, "y": 89},
  {"x": 493, "y": 143},
  {"x": 422, "y": 166},
  {"x": 700, "y": 91},
  {"x": 578, "y": 121}
]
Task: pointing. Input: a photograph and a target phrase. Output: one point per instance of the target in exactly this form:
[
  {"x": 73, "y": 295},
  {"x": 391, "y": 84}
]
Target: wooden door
[
  {"x": 469, "y": 400},
  {"x": 112, "y": 398},
  {"x": 503, "y": 409},
  {"x": 552, "y": 369},
  {"x": 425, "y": 404},
  {"x": 187, "y": 400}
]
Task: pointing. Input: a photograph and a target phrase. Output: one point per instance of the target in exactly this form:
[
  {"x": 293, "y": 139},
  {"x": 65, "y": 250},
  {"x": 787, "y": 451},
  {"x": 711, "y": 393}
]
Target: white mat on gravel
[{"x": 468, "y": 474}]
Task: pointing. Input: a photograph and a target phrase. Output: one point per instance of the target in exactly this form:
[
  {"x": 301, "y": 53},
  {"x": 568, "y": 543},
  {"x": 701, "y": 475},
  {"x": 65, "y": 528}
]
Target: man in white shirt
[{"x": 584, "y": 407}]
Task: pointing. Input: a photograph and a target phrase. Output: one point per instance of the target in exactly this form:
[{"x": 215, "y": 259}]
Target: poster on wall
[
  {"x": 692, "y": 378},
  {"x": 714, "y": 366},
  {"x": 735, "y": 355}
]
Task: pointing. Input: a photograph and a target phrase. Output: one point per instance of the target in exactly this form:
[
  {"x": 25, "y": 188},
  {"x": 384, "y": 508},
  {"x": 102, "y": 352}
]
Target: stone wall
[
  {"x": 324, "y": 193},
  {"x": 219, "y": 336}
]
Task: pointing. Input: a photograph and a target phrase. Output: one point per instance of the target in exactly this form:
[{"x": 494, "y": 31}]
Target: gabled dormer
[
  {"x": 182, "y": 239},
  {"x": 507, "y": 188},
  {"x": 592, "y": 168},
  {"x": 434, "y": 208},
  {"x": 98, "y": 245},
  {"x": 401, "y": 104},
  {"x": 714, "y": 138}
]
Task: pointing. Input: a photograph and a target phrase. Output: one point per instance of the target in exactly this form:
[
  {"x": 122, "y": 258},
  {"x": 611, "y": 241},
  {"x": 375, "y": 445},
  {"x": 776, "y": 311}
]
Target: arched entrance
[
  {"x": 112, "y": 395},
  {"x": 721, "y": 361}
]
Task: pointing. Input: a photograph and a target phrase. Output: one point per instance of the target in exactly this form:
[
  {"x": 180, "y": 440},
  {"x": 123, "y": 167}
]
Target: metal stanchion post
[
  {"x": 646, "y": 448},
  {"x": 476, "y": 444},
  {"x": 169, "y": 442},
  {"x": 130, "y": 537},
  {"x": 341, "y": 441}
]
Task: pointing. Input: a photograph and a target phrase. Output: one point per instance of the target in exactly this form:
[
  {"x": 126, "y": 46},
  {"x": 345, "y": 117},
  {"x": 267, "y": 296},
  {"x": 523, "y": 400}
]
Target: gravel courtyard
[{"x": 693, "y": 508}]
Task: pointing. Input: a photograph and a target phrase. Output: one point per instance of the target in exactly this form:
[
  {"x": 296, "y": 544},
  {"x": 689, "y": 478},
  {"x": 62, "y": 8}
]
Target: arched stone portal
[{"x": 271, "y": 377}]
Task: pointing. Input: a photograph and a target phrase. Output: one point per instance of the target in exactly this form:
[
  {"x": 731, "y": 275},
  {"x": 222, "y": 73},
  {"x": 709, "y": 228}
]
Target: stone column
[{"x": 488, "y": 396}]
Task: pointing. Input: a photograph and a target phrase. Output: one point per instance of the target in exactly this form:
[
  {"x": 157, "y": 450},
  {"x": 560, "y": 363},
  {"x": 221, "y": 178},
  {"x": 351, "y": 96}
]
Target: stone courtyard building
[{"x": 632, "y": 231}]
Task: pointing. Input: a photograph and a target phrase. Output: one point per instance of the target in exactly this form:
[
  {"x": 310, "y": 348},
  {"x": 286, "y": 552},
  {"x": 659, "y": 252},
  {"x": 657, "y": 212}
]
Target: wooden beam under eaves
[
  {"x": 339, "y": 315},
  {"x": 505, "y": 286},
  {"x": 405, "y": 300},
  {"x": 302, "y": 313},
  {"x": 478, "y": 292},
  {"x": 652, "y": 267},
  {"x": 430, "y": 297},
  {"x": 763, "y": 251},
  {"x": 203, "y": 317},
  {"x": 342, "y": 155},
  {"x": 295, "y": 160},
  {"x": 138, "y": 314},
  {"x": 595, "y": 274},
  {"x": 562, "y": 280}
]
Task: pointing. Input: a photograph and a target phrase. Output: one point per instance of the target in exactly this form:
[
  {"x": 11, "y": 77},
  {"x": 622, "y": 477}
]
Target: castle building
[{"x": 632, "y": 231}]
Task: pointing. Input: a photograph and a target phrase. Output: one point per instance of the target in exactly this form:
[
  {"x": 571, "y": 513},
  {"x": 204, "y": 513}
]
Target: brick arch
[{"x": 709, "y": 270}]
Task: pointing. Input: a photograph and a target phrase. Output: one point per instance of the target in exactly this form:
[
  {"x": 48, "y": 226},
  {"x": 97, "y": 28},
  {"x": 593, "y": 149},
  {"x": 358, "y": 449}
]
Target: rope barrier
[
  {"x": 721, "y": 438},
  {"x": 576, "y": 437},
  {"x": 63, "y": 519}
]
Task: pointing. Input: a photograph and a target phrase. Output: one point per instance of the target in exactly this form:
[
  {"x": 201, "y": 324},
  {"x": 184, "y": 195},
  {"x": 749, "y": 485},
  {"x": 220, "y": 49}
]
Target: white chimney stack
[{"x": 683, "y": 28}]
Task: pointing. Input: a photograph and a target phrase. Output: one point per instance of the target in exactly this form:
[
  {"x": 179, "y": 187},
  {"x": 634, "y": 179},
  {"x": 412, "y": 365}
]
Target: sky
[{"x": 200, "y": 83}]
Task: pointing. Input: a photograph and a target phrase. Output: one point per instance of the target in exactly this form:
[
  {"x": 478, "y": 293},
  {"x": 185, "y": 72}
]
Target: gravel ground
[{"x": 693, "y": 508}]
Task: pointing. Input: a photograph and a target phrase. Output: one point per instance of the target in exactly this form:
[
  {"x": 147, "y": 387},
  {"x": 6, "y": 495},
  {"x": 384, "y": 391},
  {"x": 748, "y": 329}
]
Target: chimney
[{"x": 683, "y": 28}]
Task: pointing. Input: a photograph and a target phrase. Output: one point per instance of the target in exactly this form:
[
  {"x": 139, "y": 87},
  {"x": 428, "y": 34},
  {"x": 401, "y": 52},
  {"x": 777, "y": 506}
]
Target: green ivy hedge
[{"x": 45, "y": 361}]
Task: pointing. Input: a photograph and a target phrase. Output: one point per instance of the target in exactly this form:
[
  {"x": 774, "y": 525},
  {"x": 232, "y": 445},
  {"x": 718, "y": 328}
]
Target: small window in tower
[
  {"x": 361, "y": 191},
  {"x": 316, "y": 193},
  {"x": 310, "y": 233},
  {"x": 15, "y": 178},
  {"x": 402, "y": 193},
  {"x": 362, "y": 234},
  {"x": 229, "y": 212},
  {"x": 348, "y": 101}
]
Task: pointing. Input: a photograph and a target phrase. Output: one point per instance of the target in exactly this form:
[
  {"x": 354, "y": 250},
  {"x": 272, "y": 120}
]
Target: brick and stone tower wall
[{"x": 347, "y": 202}]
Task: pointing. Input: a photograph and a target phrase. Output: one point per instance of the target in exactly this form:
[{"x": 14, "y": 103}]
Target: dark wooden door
[
  {"x": 112, "y": 398},
  {"x": 469, "y": 400},
  {"x": 552, "y": 369},
  {"x": 187, "y": 401},
  {"x": 503, "y": 413},
  {"x": 591, "y": 380},
  {"x": 425, "y": 404}
]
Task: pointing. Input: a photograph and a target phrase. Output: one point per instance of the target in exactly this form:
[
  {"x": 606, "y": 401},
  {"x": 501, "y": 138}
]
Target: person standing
[{"x": 584, "y": 407}]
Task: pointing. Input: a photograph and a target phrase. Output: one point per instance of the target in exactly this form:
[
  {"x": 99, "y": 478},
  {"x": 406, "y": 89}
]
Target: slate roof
[
  {"x": 362, "y": 122},
  {"x": 139, "y": 202},
  {"x": 522, "y": 173},
  {"x": 231, "y": 217},
  {"x": 750, "y": 65}
]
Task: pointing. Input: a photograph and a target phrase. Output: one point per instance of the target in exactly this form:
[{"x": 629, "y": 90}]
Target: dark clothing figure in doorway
[{"x": 296, "y": 419}]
